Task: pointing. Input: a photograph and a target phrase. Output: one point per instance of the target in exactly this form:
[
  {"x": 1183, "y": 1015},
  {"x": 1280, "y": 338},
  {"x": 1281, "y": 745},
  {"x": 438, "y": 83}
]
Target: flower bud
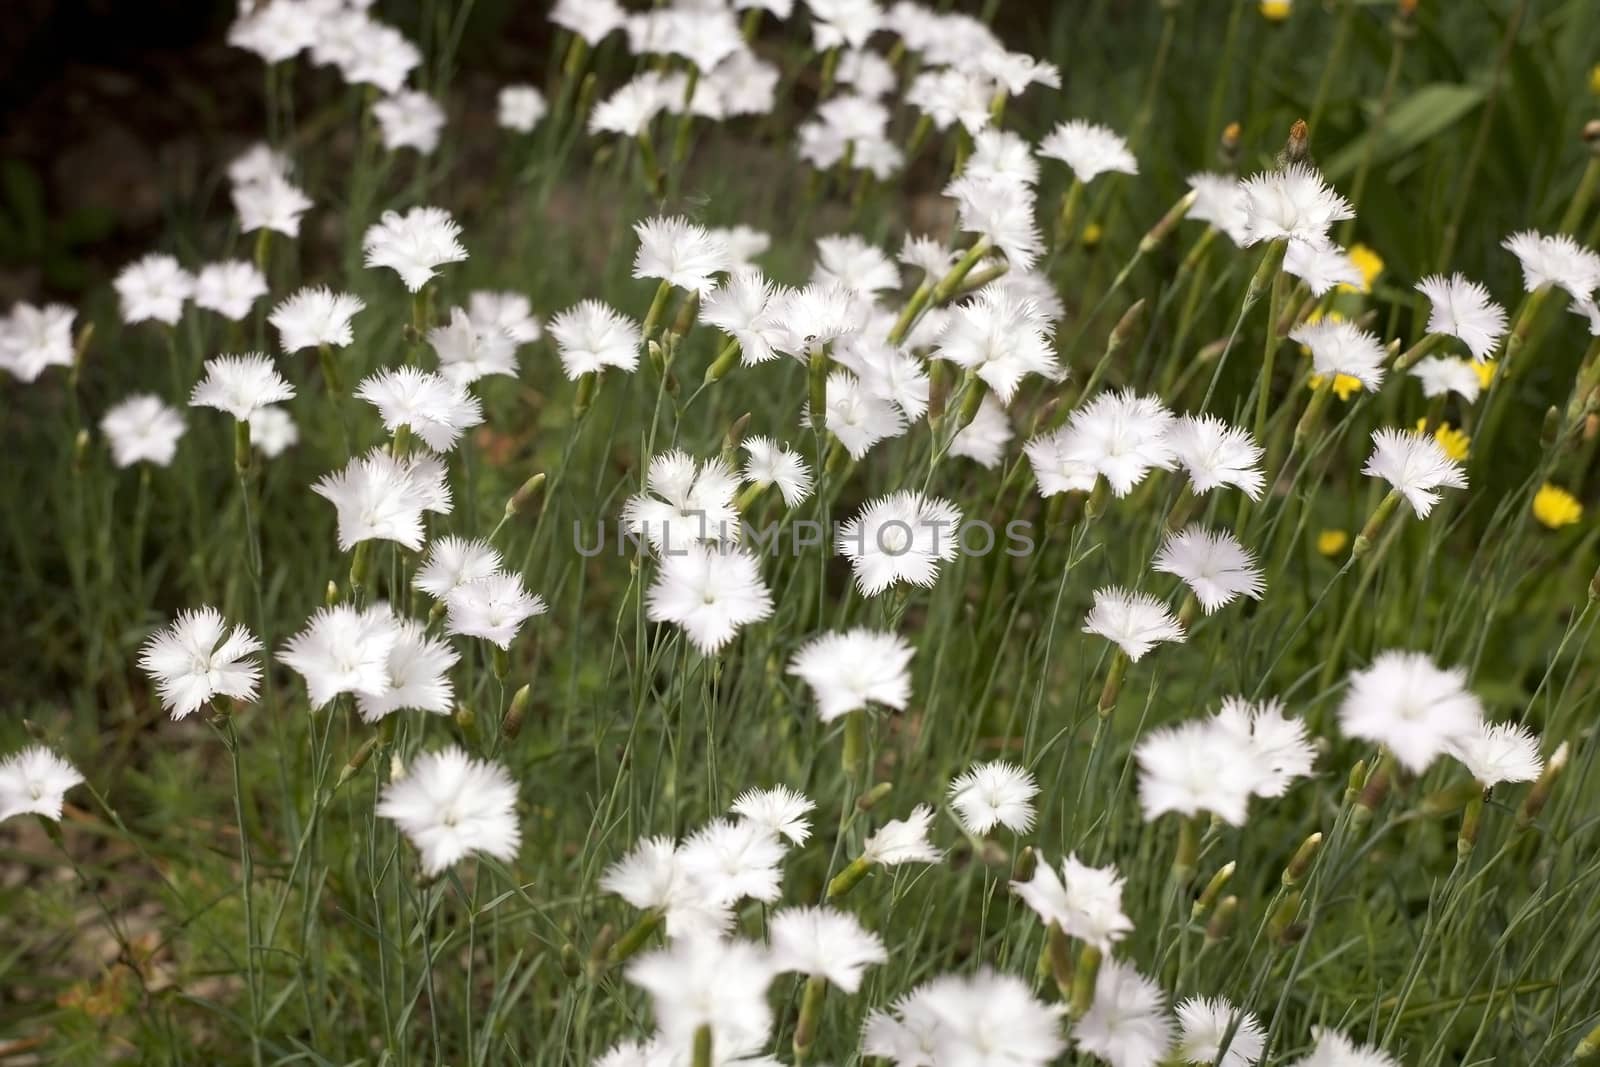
[
  {"x": 1588, "y": 1050},
  {"x": 524, "y": 495},
  {"x": 1281, "y": 925},
  {"x": 1539, "y": 795},
  {"x": 1300, "y": 863},
  {"x": 1228, "y": 144},
  {"x": 1213, "y": 889},
  {"x": 80, "y": 449},
  {"x": 330, "y": 595},
  {"x": 467, "y": 721},
  {"x": 1221, "y": 924},
  {"x": 511, "y": 726},
  {"x": 1298, "y": 146},
  {"x": 1027, "y": 863},
  {"x": 569, "y": 961},
  {"x": 874, "y": 796},
  {"x": 1083, "y": 981},
  {"x": 358, "y": 760},
  {"x": 600, "y": 951}
]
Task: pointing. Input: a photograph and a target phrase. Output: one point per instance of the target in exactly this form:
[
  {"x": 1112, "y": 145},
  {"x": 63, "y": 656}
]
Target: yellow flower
[
  {"x": 1344, "y": 386},
  {"x": 1485, "y": 372},
  {"x": 1091, "y": 235},
  {"x": 1369, "y": 263},
  {"x": 1275, "y": 10},
  {"x": 1454, "y": 442},
  {"x": 1555, "y": 507},
  {"x": 1332, "y": 542}
]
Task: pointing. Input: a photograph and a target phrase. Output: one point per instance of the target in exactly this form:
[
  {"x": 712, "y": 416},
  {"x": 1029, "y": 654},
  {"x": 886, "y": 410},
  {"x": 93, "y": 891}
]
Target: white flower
[
  {"x": 1089, "y": 149},
  {"x": 492, "y": 608},
  {"x": 381, "y": 57},
  {"x": 142, "y": 428},
  {"x": 1058, "y": 466},
  {"x": 902, "y": 840},
  {"x": 994, "y": 794},
  {"x": 709, "y": 593},
  {"x": 273, "y": 203},
  {"x": 376, "y": 497},
  {"x": 240, "y": 385},
  {"x": 708, "y": 982},
  {"x": 1339, "y": 347},
  {"x": 629, "y": 110},
  {"x": 744, "y": 84},
  {"x": 1000, "y": 339},
  {"x": 984, "y": 439},
  {"x": 901, "y": 537},
  {"x": 1127, "y": 1025},
  {"x": 1419, "y": 711},
  {"x": 1415, "y": 465},
  {"x": 848, "y": 260},
  {"x": 414, "y": 244},
  {"x": 521, "y": 107},
  {"x": 434, "y": 408},
  {"x": 1279, "y": 747},
  {"x": 843, "y": 23},
  {"x": 744, "y": 244},
  {"x": 312, "y": 317},
  {"x": 470, "y": 350},
  {"x": 272, "y": 430},
  {"x": 454, "y": 562},
  {"x": 780, "y": 811},
  {"x": 1442, "y": 375},
  {"x": 1196, "y": 766},
  {"x": 1219, "y": 200},
  {"x": 949, "y": 96},
  {"x": 258, "y": 163},
  {"x": 927, "y": 254},
  {"x": 732, "y": 860},
  {"x": 1086, "y": 902},
  {"x": 847, "y": 671},
  {"x": 1001, "y": 212},
  {"x": 743, "y": 307},
  {"x": 908, "y": 1034},
  {"x": 1015, "y": 71},
  {"x": 35, "y": 781},
  {"x": 34, "y": 338},
  {"x": 198, "y": 658},
  {"x": 1292, "y": 204},
  {"x": 591, "y": 336},
  {"x": 275, "y": 31},
  {"x": 593, "y": 20},
  {"x": 154, "y": 287},
  {"x": 771, "y": 463},
  {"x": 1214, "y": 565},
  {"x": 890, "y": 373},
  {"x": 1122, "y": 436},
  {"x": 814, "y": 315},
  {"x": 1215, "y": 454},
  {"x": 678, "y": 252},
  {"x": 343, "y": 650},
  {"x": 1555, "y": 260},
  {"x": 650, "y": 877},
  {"x": 409, "y": 118},
  {"x": 1206, "y": 1021},
  {"x": 1464, "y": 310},
  {"x": 992, "y": 1020},
  {"x": 506, "y": 312},
  {"x": 419, "y": 676},
  {"x": 1000, "y": 155},
  {"x": 1321, "y": 267},
  {"x": 1333, "y": 1049},
  {"x": 450, "y": 806},
  {"x": 1134, "y": 622},
  {"x": 869, "y": 73},
  {"x": 684, "y": 503},
  {"x": 824, "y": 942},
  {"x": 857, "y": 416},
  {"x": 229, "y": 288},
  {"x": 1499, "y": 752}
]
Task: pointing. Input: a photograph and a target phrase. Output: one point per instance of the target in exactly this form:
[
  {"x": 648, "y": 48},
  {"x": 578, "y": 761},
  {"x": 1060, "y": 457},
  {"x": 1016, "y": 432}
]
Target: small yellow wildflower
[
  {"x": 1555, "y": 507},
  {"x": 1485, "y": 372},
  {"x": 1332, "y": 542},
  {"x": 1454, "y": 442},
  {"x": 1091, "y": 235},
  {"x": 1344, "y": 386},
  {"x": 1369, "y": 263},
  {"x": 1275, "y": 10}
]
